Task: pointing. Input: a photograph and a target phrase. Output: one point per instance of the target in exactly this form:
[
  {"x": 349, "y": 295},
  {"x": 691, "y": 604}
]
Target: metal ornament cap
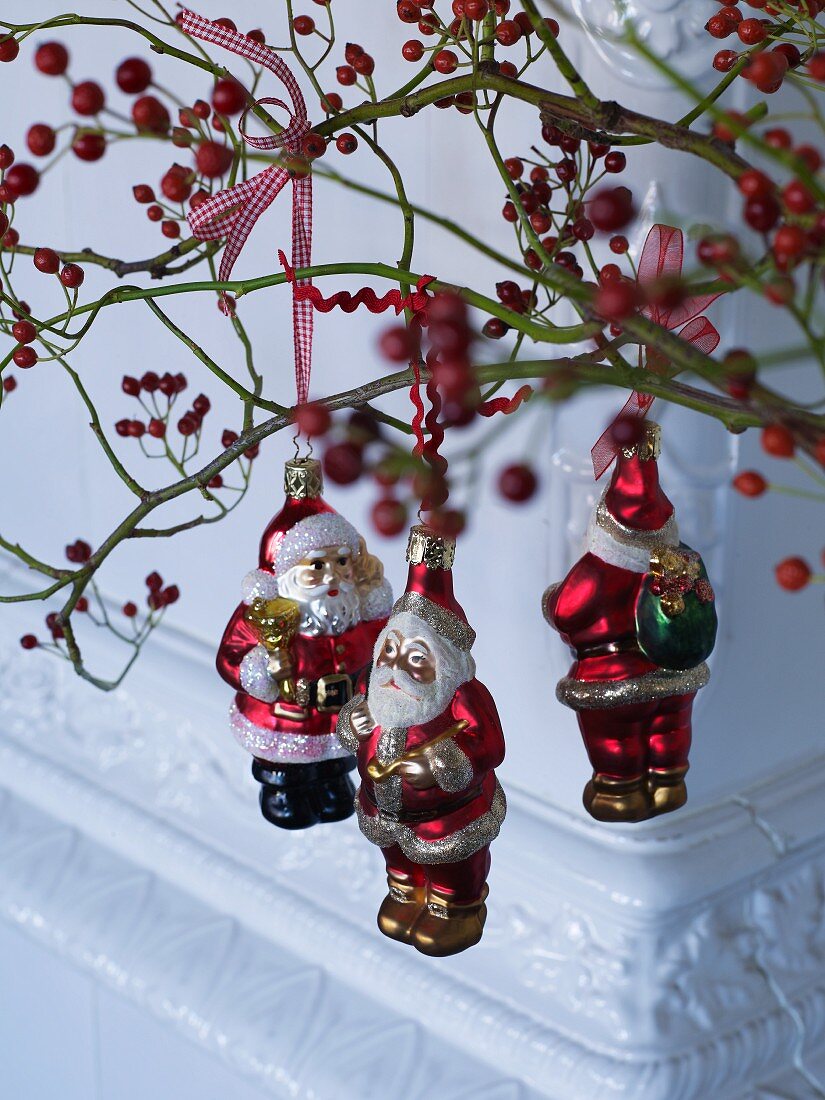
[
  {"x": 303, "y": 478},
  {"x": 649, "y": 446},
  {"x": 427, "y": 548}
]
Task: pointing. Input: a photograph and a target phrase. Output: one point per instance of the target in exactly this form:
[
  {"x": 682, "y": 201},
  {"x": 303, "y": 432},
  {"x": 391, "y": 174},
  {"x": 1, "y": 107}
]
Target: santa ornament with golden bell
[
  {"x": 637, "y": 611},
  {"x": 298, "y": 647},
  {"x": 427, "y": 738}
]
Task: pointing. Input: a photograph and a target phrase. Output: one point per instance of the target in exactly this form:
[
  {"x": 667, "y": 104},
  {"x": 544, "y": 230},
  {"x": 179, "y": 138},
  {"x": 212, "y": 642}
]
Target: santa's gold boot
[
  {"x": 445, "y": 928},
  {"x": 667, "y": 787},
  {"x": 609, "y": 799},
  {"x": 400, "y": 909}
]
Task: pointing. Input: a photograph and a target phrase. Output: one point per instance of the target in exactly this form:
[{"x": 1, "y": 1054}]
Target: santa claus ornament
[
  {"x": 637, "y": 611},
  {"x": 427, "y": 737},
  {"x": 298, "y": 647}
]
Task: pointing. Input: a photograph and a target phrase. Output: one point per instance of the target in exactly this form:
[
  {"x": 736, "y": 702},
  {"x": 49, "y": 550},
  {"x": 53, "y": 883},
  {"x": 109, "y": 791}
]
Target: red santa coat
[
  {"x": 464, "y": 811},
  {"x": 595, "y": 607},
  {"x": 310, "y": 734}
]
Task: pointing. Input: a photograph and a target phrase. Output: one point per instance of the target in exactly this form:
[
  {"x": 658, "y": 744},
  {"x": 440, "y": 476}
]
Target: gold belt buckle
[{"x": 325, "y": 683}]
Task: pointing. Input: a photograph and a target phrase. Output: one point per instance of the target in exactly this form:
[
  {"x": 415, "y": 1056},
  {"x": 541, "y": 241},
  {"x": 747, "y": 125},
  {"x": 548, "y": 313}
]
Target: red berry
[
  {"x": 52, "y": 58},
  {"x": 154, "y": 582},
  {"x": 396, "y": 344},
  {"x": 89, "y": 146},
  {"x": 407, "y": 11},
  {"x": 177, "y": 184},
  {"x": 719, "y": 26},
  {"x": 343, "y": 463},
  {"x": 154, "y": 213},
  {"x": 150, "y": 116},
  {"x": 6, "y": 157},
  {"x": 156, "y": 428},
  {"x": 762, "y": 214},
  {"x": 303, "y": 24},
  {"x": 215, "y": 482},
  {"x": 789, "y": 241},
  {"x": 88, "y": 98},
  {"x": 40, "y": 139},
  {"x": 130, "y": 385},
  {"x": 364, "y": 64},
  {"x": 798, "y": 198},
  {"x": 22, "y": 179},
  {"x": 170, "y": 595},
  {"x": 72, "y": 276},
  {"x": 24, "y": 332},
  {"x": 228, "y": 438},
  {"x": 778, "y": 441},
  {"x": 755, "y": 184},
  {"x": 615, "y": 162},
  {"x": 133, "y": 75},
  {"x": 750, "y": 483},
  {"x": 24, "y": 357},
  {"x": 227, "y": 24},
  {"x": 793, "y": 574},
  {"x": 47, "y": 261},
  {"x": 9, "y": 383},
  {"x": 143, "y": 193},
  {"x": 312, "y": 419},
  {"x": 611, "y": 209},
  {"x": 619, "y": 245},
  {"x": 331, "y": 102},
  {"x": 751, "y": 31},
  {"x": 28, "y": 641},
  {"x": 816, "y": 66},
  {"x": 724, "y": 60},
  {"x": 389, "y": 517},
  {"x": 9, "y": 48},
  {"x": 778, "y": 138},
  {"x": 445, "y": 62},
  {"x": 129, "y": 610},
  {"x": 346, "y": 143},
  {"x": 122, "y": 427},
  {"x": 517, "y": 483},
  {"x": 346, "y": 75},
  {"x": 213, "y": 159},
  {"x": 615, "y": 300},
  {"x": 495, "y": 328},
  {"x": 508, "y": 32},
  {"x": 313, "y": 146},
  {"x": 229, "y": 97}
]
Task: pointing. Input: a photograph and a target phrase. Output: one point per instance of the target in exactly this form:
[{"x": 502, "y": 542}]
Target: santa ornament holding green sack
[{"x": 637, "y": 611}]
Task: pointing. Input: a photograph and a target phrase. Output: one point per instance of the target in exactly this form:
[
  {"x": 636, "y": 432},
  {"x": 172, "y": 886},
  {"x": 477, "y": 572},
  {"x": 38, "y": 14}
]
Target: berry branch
[{"x": 570, "y": 251}]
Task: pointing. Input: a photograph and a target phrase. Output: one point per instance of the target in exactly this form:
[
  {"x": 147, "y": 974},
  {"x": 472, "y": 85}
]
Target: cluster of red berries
[
  {"x": 765, "y": 68},
  {"x": 158, "y": 596},
  {"x": 169, "y": 386},
  {"x": 777, "y": 441},
  {"x": 228, "y": 438}
]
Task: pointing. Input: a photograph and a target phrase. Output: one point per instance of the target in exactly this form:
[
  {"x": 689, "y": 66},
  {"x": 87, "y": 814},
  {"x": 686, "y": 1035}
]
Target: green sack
[{"x": 675, "y": 610}]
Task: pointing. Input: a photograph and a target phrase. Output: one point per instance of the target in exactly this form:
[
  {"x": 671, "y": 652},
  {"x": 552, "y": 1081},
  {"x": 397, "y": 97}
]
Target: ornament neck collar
[{"x": 623, "y": 546}]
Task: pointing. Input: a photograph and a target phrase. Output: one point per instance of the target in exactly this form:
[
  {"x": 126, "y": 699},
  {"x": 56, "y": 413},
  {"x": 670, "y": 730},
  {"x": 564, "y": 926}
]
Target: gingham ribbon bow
[
  {"x": 232, "y": 213},
  {"x": 662, "y": 256}
]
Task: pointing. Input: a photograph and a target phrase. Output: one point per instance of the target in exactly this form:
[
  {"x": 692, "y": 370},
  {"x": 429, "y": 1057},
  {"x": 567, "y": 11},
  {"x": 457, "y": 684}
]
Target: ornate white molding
[
  {"x": 611, "y": 955},
  {"x": 673, "y": 29}
]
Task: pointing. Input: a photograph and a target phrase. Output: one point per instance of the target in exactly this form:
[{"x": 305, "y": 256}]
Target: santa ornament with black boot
[
  {"x": 297, "y": 649},
  {"x": 638, "y": 613},
  {"x": 428, "y": 738}
]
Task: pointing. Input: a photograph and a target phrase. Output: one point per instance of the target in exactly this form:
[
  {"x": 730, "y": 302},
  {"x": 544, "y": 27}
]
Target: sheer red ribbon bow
[
  {"x": 662, "y": 257},
  {"x": 233, "y": 212}
]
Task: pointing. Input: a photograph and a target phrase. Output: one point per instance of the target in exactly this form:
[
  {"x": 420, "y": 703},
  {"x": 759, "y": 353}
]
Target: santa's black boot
[
  {"x": 287, "y": 793},
  {"x": 334, "y": 793}
]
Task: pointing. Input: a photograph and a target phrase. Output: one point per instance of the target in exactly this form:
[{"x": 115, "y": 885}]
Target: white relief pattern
[{"x": 673, "y": 29}]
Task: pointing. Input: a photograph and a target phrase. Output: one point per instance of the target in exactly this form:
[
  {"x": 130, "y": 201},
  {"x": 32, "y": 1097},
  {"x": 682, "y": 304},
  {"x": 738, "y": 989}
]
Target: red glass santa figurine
[
  {"x": 427, "y": 737},
  {"x": 297, "y": 649},
  {"x": 637, "y": 611}
]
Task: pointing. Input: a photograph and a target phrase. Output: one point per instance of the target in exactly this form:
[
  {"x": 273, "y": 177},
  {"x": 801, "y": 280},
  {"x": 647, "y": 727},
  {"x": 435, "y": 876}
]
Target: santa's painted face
[
  {"x": 416, "y": 673},
  {"x": 323, "y": 583}
]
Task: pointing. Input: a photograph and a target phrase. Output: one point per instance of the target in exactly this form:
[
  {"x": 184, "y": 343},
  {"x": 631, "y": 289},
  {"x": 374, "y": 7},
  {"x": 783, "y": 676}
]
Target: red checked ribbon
[
  {"x": 662, "y": 257},
  {"x": 233, "y": 212}
]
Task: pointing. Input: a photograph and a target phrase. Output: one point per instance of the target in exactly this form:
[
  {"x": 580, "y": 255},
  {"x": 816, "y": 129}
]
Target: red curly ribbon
[
  {"x": 505, "y": 405},
  {"x": 233, "y": 212},
  {"x": 662, "y": 256},
  {"x": 416, "y": 301}
]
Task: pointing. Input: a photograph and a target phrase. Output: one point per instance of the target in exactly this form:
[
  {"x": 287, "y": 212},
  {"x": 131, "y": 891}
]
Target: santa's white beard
[
  {"x": 411, "y": 703},
  {"x": 320, "y": 612}
]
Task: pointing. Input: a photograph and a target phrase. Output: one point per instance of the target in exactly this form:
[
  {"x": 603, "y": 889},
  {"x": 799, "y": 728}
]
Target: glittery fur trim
[
  {"x": 283, "y": 748},
  {"x": 605, "y": 694},
  {"x": 255, "y": 678},
  {"x": 450, "y": 849},
  {"x": 450, "y": 766},
  {"x": 259, "y": 584},
  {"x": 343, "y": 728},
  {"x": 623, "y": 546},
  {"x": 443, "y": 622},
  {"x": 377, "y": 603},
  {"x": 314, "y": 533}
]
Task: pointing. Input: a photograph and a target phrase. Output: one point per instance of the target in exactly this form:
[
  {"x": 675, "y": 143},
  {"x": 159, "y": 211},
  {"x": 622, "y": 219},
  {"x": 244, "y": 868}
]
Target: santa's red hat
[
  {"x": 429, "y": 594},
  {"x": 304, "y": 524},
  {"x": 634, "y": 498}
]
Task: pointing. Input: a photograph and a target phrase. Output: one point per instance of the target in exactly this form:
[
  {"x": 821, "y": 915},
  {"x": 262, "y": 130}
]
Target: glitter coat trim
[
  {"x": 343, "y": 728},
  {"x": 442, "y": 622},
  {"x": 604, "y": 694},
  {"x": 450, "y": 766},
  {"x": 254, "y": 677},
  {"x": 450, "y": 849},
  {"x": 284, "y": 748},
  {"x": 259, "y": 584}
]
